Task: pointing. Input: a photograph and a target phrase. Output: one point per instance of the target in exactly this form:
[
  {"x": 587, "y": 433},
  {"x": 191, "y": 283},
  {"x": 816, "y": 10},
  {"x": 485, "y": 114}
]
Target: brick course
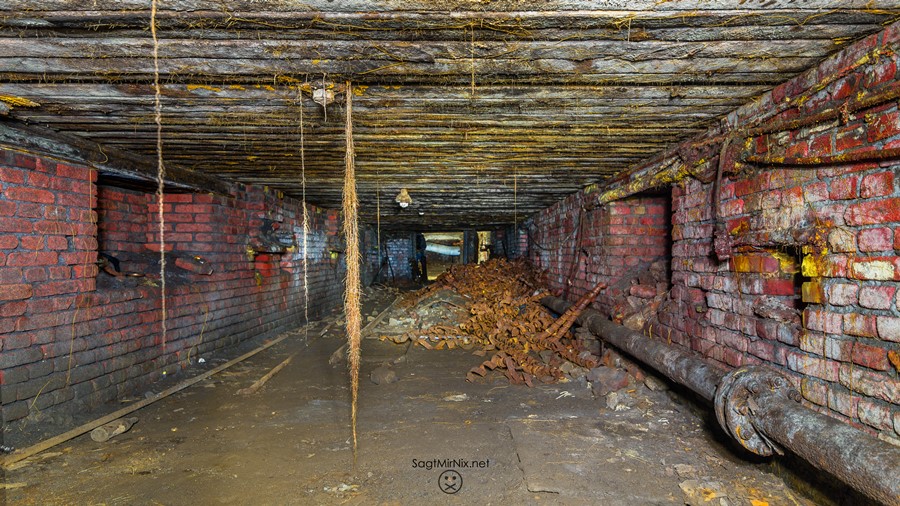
[
  {"x": 618, "y": 245},
  {"x": 817, "y": 245},
  {"x": 53, "y": 302}
]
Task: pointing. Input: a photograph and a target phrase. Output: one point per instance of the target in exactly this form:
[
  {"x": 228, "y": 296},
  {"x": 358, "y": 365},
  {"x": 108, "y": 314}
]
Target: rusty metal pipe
[
  {"x": 668, "y": 166},
  {"x": 876, "y": 155},
  {"x": 882, "y": 96},
  {"x": 678, "y": 364},
  {"x": 758, "y": 407},
  {"x": 865, "y": 463}
]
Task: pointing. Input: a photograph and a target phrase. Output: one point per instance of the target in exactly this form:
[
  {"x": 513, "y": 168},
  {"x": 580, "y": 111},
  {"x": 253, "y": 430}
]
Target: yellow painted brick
[
  {"x": 740, "y": 263},
  {"x": 810, "y": 266},
  {"x": 812, "y": 292}
]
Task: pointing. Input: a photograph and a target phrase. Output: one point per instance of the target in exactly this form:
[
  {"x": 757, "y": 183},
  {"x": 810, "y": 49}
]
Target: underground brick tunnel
[{"x": 496, "y": 252}]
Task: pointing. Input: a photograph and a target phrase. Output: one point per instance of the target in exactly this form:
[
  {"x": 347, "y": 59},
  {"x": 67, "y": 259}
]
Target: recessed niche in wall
[{"x": 128, "y": 237}]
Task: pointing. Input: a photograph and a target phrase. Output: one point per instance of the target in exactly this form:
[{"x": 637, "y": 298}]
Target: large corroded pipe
[
  {"x": 678, "y": 364},
  {"x": 867, "y": 464},
  {"x": 759, "y": 408}
]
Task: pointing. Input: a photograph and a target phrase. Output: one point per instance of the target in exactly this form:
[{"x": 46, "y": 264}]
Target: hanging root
[
  {"x": 305, "y": 228},
  {"x": 351, "y": 294},
  {"x": 160, "y": 174}
]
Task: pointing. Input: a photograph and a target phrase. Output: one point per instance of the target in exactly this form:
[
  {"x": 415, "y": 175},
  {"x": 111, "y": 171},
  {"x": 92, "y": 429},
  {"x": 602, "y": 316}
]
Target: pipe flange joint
[{"x": 739, "y": 395}]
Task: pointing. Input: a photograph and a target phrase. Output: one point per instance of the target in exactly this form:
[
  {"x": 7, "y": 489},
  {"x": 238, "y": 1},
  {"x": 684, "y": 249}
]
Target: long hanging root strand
[
  {"x": 351, "y": 295},
  {"x": 305, "y": 228},
  {"x": 160, "y": 175}
]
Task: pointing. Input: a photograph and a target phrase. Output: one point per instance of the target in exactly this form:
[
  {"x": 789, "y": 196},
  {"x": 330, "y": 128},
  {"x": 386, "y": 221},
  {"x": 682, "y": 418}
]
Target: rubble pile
[
  {"x": 506, "y": 319},
  {"x": 636, "y": 296}
]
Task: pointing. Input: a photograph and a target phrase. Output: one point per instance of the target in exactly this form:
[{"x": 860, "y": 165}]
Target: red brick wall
[
  {"x": 812, "y": 280},
  {"x": 805, "y": 275},
  {"x": 122, "y": 227},
  {"x": 616, "y": 244},
  {"x": 67, "y": 340}
]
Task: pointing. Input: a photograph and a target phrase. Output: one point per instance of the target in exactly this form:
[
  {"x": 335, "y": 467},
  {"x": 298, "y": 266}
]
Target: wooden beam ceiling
[{"x": 485, "y": 111}]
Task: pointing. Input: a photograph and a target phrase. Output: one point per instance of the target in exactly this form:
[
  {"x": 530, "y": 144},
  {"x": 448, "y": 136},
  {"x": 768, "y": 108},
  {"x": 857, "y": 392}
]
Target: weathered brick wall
[
  {"x": 399, "y": 248},
  {"x": 68, "y": 341},
  {"x": 507, "y": 242},
  {"x": 621, "y": 244},
  {"x": 811, "y": 282},
  {"x": 804, "y": 273},
  {"x": 124, "y": 215},
  {"x": 521, "y": 242}
]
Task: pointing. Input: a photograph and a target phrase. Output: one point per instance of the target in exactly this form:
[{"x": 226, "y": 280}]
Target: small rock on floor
[
  {"x": 685, "y": 470},
  {"x": 605, "y": 379},
  {"x": 612, "y": 400},
  {"x": 383, "y": 375},
  {"x": 704, "y": 493}
]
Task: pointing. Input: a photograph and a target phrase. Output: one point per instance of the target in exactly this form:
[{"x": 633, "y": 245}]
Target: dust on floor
[{"x": 289, "y": 443}]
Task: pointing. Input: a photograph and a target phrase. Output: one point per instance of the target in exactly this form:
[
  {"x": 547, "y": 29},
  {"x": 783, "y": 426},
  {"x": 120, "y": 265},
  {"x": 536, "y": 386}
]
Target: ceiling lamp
[
  {"x": 403, "y": 198},
  {"x": 323, "y": 96}
]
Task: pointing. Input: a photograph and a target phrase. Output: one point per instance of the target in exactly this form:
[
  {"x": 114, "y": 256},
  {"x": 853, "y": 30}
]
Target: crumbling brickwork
[
  {"x": 70, "y": 336},
  {"x": 796, "y": 267},
  {"x": 624, "y": 244}
]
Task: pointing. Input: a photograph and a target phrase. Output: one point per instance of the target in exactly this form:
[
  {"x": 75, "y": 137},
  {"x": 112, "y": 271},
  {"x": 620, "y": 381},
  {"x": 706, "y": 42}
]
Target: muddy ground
[{"x": 290, "y": 442}]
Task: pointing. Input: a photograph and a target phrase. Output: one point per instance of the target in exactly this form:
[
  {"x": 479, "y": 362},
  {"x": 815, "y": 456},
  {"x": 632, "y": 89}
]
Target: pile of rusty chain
[{"x": 506, "y": 318}]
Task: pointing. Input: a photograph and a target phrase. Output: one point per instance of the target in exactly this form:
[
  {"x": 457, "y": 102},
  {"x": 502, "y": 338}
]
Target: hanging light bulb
[
  {"x": 323, "y": 96},
  {"x": 403, "y": 198}
]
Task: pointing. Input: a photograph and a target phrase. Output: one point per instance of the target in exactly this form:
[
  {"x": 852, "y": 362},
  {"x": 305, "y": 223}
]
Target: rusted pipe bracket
[{"x": 736, "y": 401}]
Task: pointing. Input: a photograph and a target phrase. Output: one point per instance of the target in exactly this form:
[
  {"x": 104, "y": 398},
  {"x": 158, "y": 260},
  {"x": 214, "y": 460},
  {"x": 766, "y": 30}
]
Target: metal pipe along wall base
[{"x": 758, "y": 407}]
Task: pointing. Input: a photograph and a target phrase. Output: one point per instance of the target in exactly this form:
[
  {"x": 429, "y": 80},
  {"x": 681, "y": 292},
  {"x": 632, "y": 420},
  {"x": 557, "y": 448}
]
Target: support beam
[
  {"x": 757, "y": 406},
  {"x": 670, "y": 170},
  {"x": 70, "y": 148}
]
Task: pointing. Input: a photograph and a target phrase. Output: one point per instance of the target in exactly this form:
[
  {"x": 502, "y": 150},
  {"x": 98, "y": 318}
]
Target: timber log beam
[{"x": 107, "y": 160}]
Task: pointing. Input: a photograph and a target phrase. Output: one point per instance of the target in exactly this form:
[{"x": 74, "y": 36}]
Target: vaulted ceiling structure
[{"x": 486, "y": 111}]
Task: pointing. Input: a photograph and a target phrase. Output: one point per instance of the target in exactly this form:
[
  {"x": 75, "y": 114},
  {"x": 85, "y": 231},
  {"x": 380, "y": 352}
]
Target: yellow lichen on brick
[
  {"x": 740, "y": 263},
  {"x": 787, "y": 263},
  {"x": 810, "y": 266},
  {"x": 740, "y": 228},
  {"x": 812, "y": 292}
]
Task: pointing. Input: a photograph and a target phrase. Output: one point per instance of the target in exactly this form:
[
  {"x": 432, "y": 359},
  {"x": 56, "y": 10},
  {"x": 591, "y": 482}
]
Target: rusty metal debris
[{"x": 507, "y": 319}]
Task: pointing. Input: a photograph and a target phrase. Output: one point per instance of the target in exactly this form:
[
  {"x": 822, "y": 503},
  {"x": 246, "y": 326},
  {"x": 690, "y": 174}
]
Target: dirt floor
[{"x": 290, "y": 442}]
